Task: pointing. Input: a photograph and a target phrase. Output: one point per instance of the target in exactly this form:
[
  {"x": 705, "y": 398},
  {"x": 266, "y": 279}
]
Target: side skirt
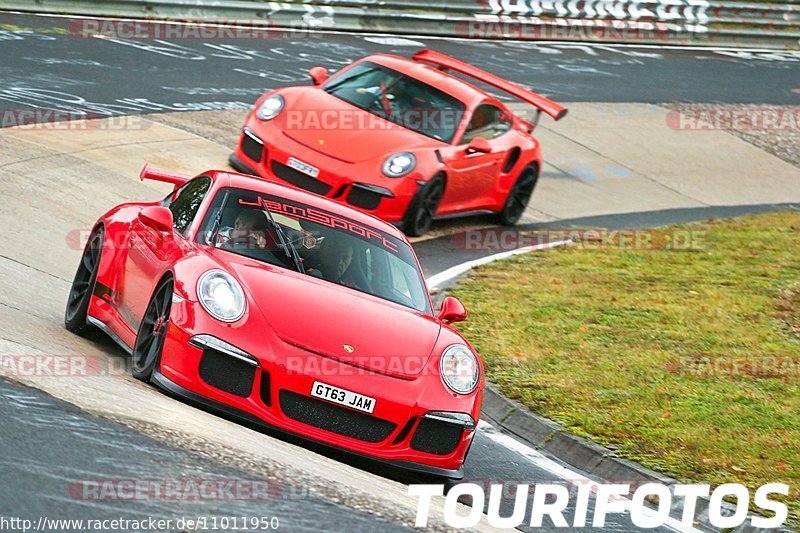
[
  {"x": 108, "y": 331},
  {"x": 473, "y": 213}
]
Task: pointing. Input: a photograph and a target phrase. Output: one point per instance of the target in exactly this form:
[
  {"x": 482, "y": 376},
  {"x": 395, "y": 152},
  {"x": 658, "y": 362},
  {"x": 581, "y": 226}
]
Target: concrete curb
[{"x": 598, "y": 461}]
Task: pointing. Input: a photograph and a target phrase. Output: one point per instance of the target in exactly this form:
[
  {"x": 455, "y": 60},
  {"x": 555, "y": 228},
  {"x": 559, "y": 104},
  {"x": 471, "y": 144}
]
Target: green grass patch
[{"x": 687, "y": 361}]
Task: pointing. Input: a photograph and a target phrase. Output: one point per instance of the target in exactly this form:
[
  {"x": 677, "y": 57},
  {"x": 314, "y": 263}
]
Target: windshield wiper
[
  {"x": 286, "y": 244},
  {"x": 217, "y": 221}
]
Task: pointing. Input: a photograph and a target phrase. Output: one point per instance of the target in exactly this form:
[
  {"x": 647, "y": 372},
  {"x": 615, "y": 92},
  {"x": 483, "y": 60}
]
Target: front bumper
[
  {"x": 185, "y": 394},
  {"x": 275, "y": 392},
  {"x": 264, "y": 150}
]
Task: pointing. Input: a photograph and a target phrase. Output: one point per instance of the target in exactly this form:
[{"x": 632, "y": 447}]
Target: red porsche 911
[
  {"x": 399, "y": 138},
  {"x": 288, "y": 310}
]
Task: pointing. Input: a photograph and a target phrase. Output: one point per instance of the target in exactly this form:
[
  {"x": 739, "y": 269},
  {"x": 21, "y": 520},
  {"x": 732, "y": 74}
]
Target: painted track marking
[
  {"x": 545, "y": 463},
  {"x": 452, "y": 272}
]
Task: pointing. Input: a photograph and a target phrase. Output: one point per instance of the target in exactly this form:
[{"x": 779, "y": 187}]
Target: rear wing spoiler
[
  {"x": 542, "y": 103},
  {"x": 154, "y": 174}
]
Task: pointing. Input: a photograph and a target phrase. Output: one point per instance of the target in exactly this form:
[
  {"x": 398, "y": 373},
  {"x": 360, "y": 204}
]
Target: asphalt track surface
[
  {"x": 46, "y": 63},
  {"x": 50, "y": 448},
  {"x": 49, "y": 444}
]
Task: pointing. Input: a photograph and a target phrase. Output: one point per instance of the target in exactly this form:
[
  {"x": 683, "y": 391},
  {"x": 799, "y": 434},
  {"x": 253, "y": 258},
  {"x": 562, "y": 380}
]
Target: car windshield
[
  {"x": 331, "y": 247},
  {"x": 400, "y": 99}
]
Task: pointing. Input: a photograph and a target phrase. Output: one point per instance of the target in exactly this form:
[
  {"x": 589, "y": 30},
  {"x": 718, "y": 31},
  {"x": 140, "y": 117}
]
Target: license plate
[
  {"x": 343, "y": 397},
  {"x": 305, "y": 168}
]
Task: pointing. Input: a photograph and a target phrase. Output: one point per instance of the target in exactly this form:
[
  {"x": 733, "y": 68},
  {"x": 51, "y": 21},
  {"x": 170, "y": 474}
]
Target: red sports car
[
  {"x": 287, "y": 309},
  {"x": 400, "y": 138}
]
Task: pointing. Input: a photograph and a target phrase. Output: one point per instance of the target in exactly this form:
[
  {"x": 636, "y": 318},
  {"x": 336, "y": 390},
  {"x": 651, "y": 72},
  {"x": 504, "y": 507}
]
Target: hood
[
  {"x": 333, "y": 127},
  {"x": 324, "y": 318}
]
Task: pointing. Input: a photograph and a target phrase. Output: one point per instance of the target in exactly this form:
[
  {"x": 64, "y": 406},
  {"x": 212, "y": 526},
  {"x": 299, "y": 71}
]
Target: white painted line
[
  {"x": 415, "y": 36},
  {"x": 450, "y": 273},
  {"x": 393, "y": 41},
  {"x": 545, "y": 463}
]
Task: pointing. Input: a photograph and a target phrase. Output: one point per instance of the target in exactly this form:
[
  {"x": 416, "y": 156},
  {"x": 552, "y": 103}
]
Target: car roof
[
  {"x": 454, "y": 86},
  {"x": 256, "y": 184}
]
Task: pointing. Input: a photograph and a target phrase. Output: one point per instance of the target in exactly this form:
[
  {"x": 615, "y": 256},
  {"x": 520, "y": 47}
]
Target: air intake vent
[
  {"x": 227, "y": 373},
  {"x": 333, "y": 418},
  {"x": 363, "y": 198},
  {"x": 252, "y": 147},
  {"x": 298, "y": 179},
  {"x": 434, "y": 436}
]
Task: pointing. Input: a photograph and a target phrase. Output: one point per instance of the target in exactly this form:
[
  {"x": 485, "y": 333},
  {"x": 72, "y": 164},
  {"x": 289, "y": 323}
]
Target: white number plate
[
  {"x": 343, "y": 397},
  {"x": 305, "y": 168}
]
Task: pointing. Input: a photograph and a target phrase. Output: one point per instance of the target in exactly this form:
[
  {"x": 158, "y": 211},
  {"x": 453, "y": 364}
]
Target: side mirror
[
  {"x": 452, "y": 311},
  {"x": 318, "y": 74},
  {"x": 157, "y": 217},
  {"x": 479, "y": 145}
]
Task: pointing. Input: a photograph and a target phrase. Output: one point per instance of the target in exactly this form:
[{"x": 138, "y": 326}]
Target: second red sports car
[
  {"x": 402, "y": 139},
  {"x": 286, "y": 309}
]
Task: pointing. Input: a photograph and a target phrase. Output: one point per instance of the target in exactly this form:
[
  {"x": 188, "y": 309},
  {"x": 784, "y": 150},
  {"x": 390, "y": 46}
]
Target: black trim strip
[
  {"x": 381, "y": 191},
  {"x": 105, "y": 329},
  {"x": 476, "y": 212},
  {"x": 250, "y": 133},
  {"x": 103, "y": 292}
]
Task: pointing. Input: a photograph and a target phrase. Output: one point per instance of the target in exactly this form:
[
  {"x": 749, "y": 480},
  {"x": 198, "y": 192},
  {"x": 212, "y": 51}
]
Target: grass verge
[{"x": 687, "y": 361}]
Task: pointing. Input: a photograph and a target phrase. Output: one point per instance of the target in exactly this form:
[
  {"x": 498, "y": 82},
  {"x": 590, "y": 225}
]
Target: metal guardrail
[{"x": 695, "y": 22}]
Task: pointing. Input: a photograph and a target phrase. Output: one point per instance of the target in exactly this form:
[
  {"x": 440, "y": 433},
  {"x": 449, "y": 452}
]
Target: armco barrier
[{"x": 694, "y": 22}]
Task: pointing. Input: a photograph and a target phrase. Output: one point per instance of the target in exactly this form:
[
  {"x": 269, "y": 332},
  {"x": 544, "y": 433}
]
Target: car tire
[
  {"x": 80, "y": 294},
  {"x": 519, "y": 196},
  {"x": 419, "y": 216},
  {"x": 146, "y": 353}
]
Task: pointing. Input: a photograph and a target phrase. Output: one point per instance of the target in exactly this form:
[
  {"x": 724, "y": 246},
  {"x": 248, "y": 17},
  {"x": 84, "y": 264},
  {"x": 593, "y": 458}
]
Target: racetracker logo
[
  {"x": 405, "y": 364},
  {"x": 736, "y": 367},
  {"x": 496, "y": 239},
  {"x": 560, "y": 29},
  {"x": 430, "y": 120},
  {"x": 745, "y": 119},
  {"x": 68, "y": 120},
  {"x": 61, "y": 366},
  {"x": 174, "y": 490},
  {"x": 551, "y": 501},
  {"x": 205, "y": 30}
]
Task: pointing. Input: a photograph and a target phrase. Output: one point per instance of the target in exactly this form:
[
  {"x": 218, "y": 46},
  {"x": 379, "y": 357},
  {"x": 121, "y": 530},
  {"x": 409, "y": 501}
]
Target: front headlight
[
  {"x": 459, "y": 368},
  {"x": 271, "y": 107},
  {"x": 221, "y": 296},
  {"x": 399, "y": 165}
]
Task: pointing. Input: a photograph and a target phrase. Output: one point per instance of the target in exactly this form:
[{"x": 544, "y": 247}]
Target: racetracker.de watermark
[
  {"x": 744, "y": 119},
  {"x": 429, "y": 120},
  {"x": 200, "y": 489},
  {"x": 144, "y": 523},
  {"x": 69, "y": 120},
  {"x": 763, "y": 366},
  {"x": 500, "y": 239},
  {"x": 559, "y": 29},
  {"x": 205, "y": 30},
  {"x": 61, "y": 366}
]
